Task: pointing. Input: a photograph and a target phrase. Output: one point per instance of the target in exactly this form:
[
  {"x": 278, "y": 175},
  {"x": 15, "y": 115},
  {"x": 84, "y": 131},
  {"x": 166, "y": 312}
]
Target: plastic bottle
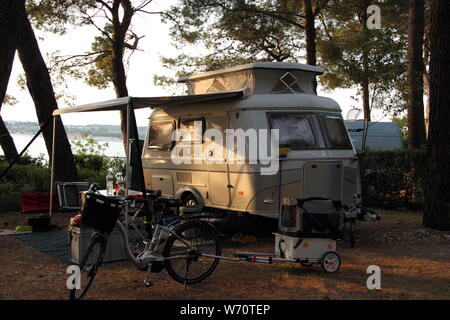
[{"x": 109, "y": 184}]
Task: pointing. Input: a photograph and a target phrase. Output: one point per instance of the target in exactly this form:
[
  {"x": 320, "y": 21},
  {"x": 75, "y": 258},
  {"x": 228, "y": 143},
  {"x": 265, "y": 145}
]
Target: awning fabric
[{"x": 151, "y": 102}]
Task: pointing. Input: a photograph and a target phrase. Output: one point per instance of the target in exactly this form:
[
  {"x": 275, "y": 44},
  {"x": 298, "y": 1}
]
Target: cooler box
[{"x": 79, "y": 240}]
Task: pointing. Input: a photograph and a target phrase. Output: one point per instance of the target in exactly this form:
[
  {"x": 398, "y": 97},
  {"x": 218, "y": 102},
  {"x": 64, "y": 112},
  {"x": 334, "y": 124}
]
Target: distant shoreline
[
  {"x": 97, "y": 131},
  {"x": 114, "y": 149}
]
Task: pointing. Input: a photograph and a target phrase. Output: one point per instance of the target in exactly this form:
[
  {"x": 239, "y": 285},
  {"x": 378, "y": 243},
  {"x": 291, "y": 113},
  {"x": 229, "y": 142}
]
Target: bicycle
[
  {"x": 352, "y": 222},
  {"x": 189, "y": 250}
]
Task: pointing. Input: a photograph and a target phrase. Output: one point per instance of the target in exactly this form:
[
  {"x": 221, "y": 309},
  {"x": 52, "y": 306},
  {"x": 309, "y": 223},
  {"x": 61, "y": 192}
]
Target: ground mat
[{"x": 55, "y": 242}]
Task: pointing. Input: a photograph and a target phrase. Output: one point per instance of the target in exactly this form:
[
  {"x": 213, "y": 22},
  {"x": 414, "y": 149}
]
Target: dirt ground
[{"x": 414, "y": 262}]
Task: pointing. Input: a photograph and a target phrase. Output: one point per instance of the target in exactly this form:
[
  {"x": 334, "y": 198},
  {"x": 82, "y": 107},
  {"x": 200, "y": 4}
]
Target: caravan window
[
  {"x": 160, "y": 134},
  {"x": 194, "y": 128},
  {"x": 336, "y": 133},
  {"x": 296, "y": 131}
]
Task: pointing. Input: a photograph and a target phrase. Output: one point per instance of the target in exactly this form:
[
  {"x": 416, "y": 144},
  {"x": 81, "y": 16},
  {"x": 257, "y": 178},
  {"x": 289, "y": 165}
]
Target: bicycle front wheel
[
  {"x": 90, "y": 262},
  {"x": 195, "y": 239}
]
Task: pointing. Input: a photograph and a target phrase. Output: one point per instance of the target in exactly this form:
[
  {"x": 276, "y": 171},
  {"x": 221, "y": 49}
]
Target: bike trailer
[
  {"x": 308, "y": 228},
  {"x": 100, "y": 212}
]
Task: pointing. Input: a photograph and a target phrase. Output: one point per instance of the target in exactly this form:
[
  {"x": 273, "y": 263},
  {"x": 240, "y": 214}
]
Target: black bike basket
[{"x": 100, "y": 212}]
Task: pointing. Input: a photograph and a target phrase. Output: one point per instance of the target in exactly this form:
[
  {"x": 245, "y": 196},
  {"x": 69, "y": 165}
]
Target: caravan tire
[{"x": 189, "y": 200}]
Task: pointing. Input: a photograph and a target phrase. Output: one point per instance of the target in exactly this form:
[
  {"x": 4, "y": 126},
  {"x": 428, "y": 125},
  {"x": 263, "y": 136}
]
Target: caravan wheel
[
  {"x": 331, "y": 262},
  {"x": 189, "y": 201}
]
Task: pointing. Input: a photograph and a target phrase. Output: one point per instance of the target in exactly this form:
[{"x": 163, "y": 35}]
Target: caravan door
[{"x": 219, "y": 193}]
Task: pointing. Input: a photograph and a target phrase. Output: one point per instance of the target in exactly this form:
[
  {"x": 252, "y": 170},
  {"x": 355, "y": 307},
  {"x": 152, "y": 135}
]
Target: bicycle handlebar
[{"x": 93, "y": 188}]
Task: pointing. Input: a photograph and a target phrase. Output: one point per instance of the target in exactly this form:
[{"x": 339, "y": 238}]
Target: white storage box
[
  {"x": 79, "y": 241},
  {"x": 303, "y": 248}
]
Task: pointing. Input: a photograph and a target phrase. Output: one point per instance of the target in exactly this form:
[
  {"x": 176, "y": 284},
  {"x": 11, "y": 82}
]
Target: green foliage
[
  {"x": 344, "y": 40},
  {"x": 100, "y": 73},
  {"x": 10, "y": 100},
  {"x": 89, "y": 157},
  {"x": 95, "y": 66},
  {"x": 33, "y": 174},
  {"x": 28, "y": 176},
  {"x": 403, "y": 125},
  {"x": 55, "y": 15},
  {"x": 232, "y": 33},
  {"x": 393, "y": 178},
  {"x": 86, "y": 145}
]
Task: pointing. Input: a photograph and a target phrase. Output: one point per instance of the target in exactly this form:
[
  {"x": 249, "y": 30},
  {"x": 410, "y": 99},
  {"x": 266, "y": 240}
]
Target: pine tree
[{"x": 437, "y": 191}]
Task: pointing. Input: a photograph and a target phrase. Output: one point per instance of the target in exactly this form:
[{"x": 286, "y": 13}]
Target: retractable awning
[{"x": 151, "y": 102}]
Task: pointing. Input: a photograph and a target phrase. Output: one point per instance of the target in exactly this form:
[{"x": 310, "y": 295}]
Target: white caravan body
[{"x": 320, "y": 160}]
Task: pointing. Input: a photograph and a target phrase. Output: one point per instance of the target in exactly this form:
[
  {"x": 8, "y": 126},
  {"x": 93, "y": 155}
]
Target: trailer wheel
[{"x": 331, "y": 262}]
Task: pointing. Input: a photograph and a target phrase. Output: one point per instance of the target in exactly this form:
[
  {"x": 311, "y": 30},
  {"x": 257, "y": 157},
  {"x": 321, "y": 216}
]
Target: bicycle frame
[{"x": 151, "y": 252}]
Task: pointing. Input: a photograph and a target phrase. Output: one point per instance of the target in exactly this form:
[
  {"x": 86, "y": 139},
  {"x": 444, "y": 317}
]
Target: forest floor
[{"x": 414, "y": 263}]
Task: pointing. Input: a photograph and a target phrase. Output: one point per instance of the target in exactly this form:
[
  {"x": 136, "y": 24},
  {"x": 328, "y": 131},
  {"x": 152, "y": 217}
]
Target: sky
[{"x": 143, "y": 65}]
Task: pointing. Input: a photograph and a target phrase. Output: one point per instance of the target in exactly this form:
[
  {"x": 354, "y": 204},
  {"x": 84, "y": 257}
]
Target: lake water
[{"x": 114, "y": 149}]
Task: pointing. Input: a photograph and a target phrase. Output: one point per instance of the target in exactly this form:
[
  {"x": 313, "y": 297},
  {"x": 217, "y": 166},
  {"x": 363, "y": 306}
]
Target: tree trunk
[
  {"x": 7, "y": 143},
  {"x": 10, "y": 21},
  {"x": 310, "y": 34},
  {"x": 426, "y": 85},
  {"x": 426, "y": 76},
  {"x": 41, "y": 90},
  {"x": 365, "y": 69},
  {"x": 9, "y": 26},
  {"x": 437, "y": 191},
  {"x": 365, "y": 89},
  {"x": 416, "y": 123},
  {"x": 120, "y": 82}
]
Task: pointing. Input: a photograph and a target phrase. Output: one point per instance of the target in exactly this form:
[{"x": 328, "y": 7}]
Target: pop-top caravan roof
[{"x": 258, "y": 78}]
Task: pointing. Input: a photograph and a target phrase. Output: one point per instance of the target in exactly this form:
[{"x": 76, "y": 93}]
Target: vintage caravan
[{"x": 315, "y": 157}]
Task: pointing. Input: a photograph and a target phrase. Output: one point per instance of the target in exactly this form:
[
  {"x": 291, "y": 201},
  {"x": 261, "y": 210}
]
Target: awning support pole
[
  {"x": 127, "y": 168},
  {"x": 127, "y": 172},
  {"x": 52, "y": 166}
]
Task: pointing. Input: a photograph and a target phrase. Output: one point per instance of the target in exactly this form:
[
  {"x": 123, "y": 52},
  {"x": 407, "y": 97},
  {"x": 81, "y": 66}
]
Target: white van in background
[{"x": 381, "y": 136}]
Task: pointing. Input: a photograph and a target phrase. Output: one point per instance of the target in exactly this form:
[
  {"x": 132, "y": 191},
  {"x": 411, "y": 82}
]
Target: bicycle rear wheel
[
  {"x": 90, "y": 262},
  {"x": 194, "y": 267}
]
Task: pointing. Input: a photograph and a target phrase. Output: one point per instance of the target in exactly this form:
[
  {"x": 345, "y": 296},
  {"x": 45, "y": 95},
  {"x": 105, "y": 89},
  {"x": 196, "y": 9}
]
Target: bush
[
  {"x": 33, "y": 175},
  {"x": 393, "y": 178}
]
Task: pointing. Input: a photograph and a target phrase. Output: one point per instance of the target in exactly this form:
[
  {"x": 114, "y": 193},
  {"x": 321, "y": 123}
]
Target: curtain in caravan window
[
  {"x": 194, "y": 130},
  {"x": 295, "y": 132},
  {"x": 160, "y": 135}
]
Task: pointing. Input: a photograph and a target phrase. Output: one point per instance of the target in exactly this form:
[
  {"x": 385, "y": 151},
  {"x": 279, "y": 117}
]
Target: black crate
[
  {"x": 40, "y": 223},
  {"x": 100, "y": 212}
]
